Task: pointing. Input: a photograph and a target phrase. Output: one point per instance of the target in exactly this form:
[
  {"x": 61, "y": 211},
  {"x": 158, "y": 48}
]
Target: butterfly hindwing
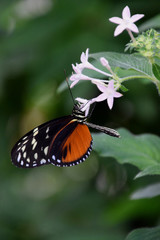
[
  {"x": 71, "y": 145},
  {"x": 32, "y": 149}
]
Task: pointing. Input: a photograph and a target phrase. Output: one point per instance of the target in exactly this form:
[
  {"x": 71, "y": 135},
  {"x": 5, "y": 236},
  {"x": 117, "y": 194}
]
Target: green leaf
[
  {"x": 151, "y": 23},
  {"x": 128, "y": 66},
  {"x": 150, "y": 191},
  {"x": 156, "y": 70},
  {"x": 127, "y": 61},
  {"x": 151, "y": 170},
  {"x": 145, "y": 234},
  {"x": 142, "y": 151}
]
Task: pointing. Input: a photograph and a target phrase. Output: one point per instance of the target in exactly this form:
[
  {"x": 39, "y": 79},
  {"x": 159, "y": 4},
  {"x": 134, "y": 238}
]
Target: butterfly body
[{"x": 63, "y": 142}]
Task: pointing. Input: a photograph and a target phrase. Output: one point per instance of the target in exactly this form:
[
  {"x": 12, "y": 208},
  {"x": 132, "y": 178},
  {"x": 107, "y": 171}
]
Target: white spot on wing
[
  {"x": 23, "y": 148},
  {"x": 47, "y": 130},
  {"x": 46, "y": 150},
  {"x": 58, "y": 160},
  {"x": 24, "y": 154},
  {"x": 25, "y": 142},
  {"x": 34, "y": 145},
  {"x": 18, "y": 149},
  {"x": 33, "y": 141},
  {"x": 22, "y": 163},
  {"x": 53, "y": 157},
  {"x": 35, "y": 130},
  {"x": 36, "y": 155},
  {"x": 24, "y": 138},
  {"x": 43, "y": 161},
  {"x": 19, "y": 157}
]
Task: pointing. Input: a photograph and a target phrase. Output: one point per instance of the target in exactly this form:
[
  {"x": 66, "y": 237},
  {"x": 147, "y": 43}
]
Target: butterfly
[{"x": 63, "y": 142}]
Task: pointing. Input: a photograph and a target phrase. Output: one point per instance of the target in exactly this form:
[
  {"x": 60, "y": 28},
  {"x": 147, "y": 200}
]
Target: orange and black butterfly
[{"x": 63, "y": 142}]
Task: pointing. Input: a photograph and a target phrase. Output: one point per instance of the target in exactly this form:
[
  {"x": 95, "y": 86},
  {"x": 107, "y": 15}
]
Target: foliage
[
  {"x": 144, "y": 233},
  {"x": 101, "y": 198},
  {"x": 141, "y": 151}
]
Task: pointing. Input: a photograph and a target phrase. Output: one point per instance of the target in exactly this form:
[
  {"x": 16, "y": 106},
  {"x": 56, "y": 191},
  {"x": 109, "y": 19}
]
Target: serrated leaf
[
  {"x": 142, "y": 151},
  {"x": 145, "y": 234},
  {"x": 151, "y": 170},
  {"x": 127, "y": 61},
  {"x": 156, "y": 70}
]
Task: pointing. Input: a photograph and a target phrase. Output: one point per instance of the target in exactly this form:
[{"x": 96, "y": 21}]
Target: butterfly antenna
[{"x": 69, "y": 86}]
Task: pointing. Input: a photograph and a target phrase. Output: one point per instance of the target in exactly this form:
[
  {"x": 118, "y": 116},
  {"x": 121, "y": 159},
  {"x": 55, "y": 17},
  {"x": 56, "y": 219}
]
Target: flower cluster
[
  {"x": 108, "y": 88},
  {"x": 147, "y": 44},
  {"x": 110, "y": 82}
]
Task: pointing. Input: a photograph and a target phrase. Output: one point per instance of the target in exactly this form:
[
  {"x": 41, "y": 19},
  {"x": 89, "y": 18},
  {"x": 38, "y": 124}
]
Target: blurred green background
[{"x": 38, "y": 40}]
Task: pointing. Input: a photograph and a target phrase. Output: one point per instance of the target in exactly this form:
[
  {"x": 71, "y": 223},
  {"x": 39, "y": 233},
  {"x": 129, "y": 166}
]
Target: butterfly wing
[
  {"x": 32, "y": 149},
  {"x": 71, "y": 146}
]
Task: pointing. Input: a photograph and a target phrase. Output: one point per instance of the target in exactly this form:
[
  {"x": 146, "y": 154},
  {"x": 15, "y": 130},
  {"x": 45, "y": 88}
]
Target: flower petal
[
  {"x": 119, "y": 29},
  {"x": 75, "y": 77},
  {"x": 85, "y": 106},
  {"x": 133, "y": 27},
  {"x": 102, "y": 87},
  {"x": 136, "y": 17},
  {"x": 117, "y": 95},
  {"x": 126, "y": 14},
  {"x": 110, "y": 101},
  {"x": 81, "y": 100},
  {"x": 100, "y": 98},
  {"x": 111, "y": 85},
  {"x": 74, "y": 83},
  {"x": 77, "y": 68},
  {"x": 116, "y": 20},
  {"x": 84, "y": 56}
]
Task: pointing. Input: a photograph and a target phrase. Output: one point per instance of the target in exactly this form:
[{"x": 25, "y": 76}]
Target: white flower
[
  {"x": 78, "y": 68},
  {"x": 85, "y": 105},
  {"x": 108, "y": 92},
  {"x": 126, "y": 22},
  {"x": 105, "y": 63}
]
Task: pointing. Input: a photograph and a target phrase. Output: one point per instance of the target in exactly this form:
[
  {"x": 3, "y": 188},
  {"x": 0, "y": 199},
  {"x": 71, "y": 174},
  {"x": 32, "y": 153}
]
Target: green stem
[
  {"x": 154, "y": 80},
  {"x": 131, "y": 35},
  {"x": 136, "y": 76}
]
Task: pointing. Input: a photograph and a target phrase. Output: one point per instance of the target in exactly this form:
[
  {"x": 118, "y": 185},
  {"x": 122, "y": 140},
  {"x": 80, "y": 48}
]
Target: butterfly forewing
[{"x": 32, "y": 149}]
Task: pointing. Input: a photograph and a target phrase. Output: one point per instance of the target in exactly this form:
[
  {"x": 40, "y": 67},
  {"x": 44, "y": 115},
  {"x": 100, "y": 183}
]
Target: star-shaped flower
[
  {"x": 78, "y": 69},
  {"x": 108, "y": 92},
  {"x": 126, "y": 22}
]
